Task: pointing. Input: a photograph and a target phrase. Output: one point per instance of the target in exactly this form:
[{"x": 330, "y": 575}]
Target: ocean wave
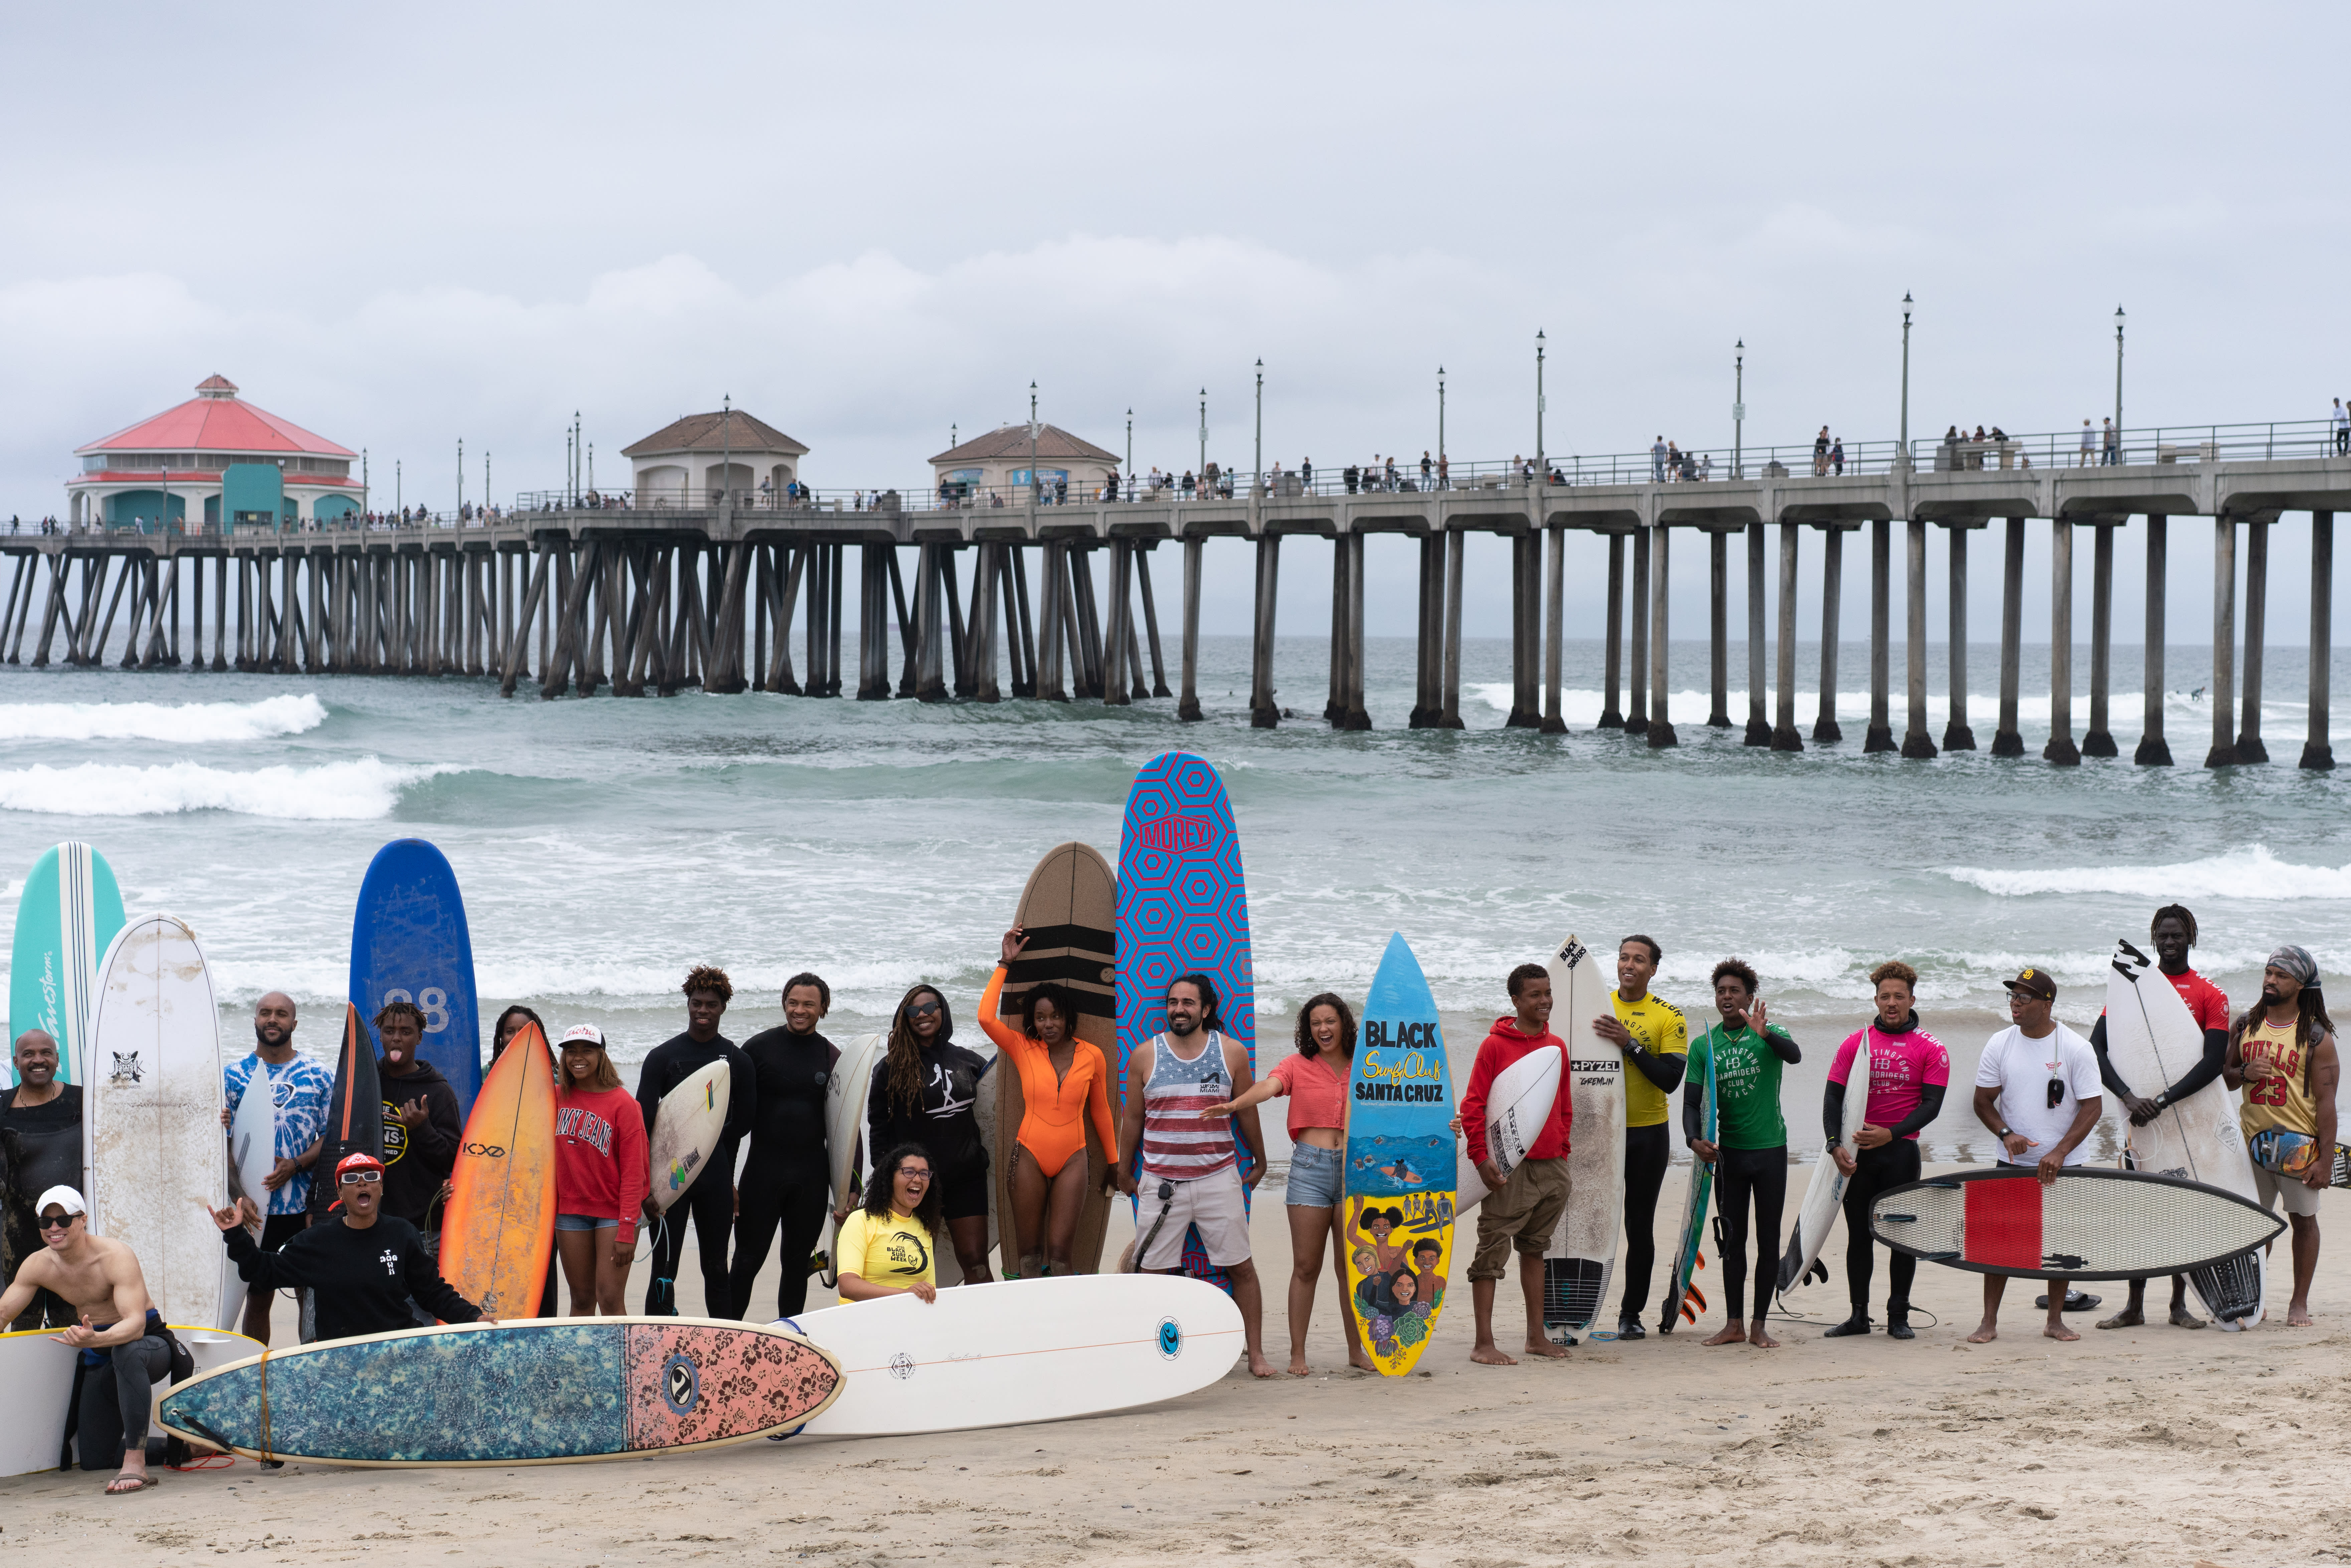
[
  {"x": 182, "y": 724},
  {"x": 335, "y": 791},
  {"x": 2250, "y": 873}
]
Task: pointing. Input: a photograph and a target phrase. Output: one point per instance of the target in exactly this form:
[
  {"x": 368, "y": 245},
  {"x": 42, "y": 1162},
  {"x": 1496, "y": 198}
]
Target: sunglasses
[
  {"x": 56, "y": 1222},
  {"x": 356, "y": 1177},
  {"x": 922, "y": 1009}
]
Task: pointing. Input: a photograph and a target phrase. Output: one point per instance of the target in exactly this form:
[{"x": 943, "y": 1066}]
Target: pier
[{"x": 718, "y": 593}]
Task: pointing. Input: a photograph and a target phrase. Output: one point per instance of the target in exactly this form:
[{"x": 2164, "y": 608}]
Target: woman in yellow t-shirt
[{"x": 885, "y": 1246}]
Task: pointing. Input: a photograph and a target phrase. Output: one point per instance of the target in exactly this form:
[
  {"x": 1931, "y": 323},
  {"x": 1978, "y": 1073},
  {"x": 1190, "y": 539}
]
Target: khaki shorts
[
  {"x": 1522, "y": 1214},
  {"x": 2285, "y": 1191},
  {"x": 1213, "y": 1203}
]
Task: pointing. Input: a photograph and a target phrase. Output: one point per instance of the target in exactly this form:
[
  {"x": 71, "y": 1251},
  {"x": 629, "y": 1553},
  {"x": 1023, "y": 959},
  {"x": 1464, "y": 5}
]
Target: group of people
[{"x": 1668, "y": 463}]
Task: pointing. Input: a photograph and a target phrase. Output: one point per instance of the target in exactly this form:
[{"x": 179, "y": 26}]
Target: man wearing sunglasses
[
  {"x": 100, "y": 1279},
  {"x": 2037, "y": 1090},
  {"x": 364, "y": 1267}
]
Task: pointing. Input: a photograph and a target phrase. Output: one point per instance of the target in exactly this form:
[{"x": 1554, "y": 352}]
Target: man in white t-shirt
[{"x": 2037, "y": 1089}]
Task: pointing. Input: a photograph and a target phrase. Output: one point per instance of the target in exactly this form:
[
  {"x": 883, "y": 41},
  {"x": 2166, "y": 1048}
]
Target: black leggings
[
  {"x": 1876, "y": 1170},
  {"x": 1647, "y": 1152},
  {"x": 711, "y": 1201},
  {"x": 1740, "y": 1174},
  {"x": 774, "y": 1199},
  {"x": 117, "y": 1400}
]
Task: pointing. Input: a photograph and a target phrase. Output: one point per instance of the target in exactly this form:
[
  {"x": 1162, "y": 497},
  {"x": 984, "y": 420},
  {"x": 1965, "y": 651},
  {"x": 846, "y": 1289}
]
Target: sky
[{"x": 868, "y": 224}]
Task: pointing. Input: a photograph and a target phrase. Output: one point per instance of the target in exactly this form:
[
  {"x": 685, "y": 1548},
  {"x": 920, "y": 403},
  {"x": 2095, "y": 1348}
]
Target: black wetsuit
[
  {"x": 943, "y": 1122},
  {"x": 49, "y": 1146},
  {"x": 1648, "y": 1152},
  {"x": 709, "y": 1197},
  {"x": 785, "y": 1180}
]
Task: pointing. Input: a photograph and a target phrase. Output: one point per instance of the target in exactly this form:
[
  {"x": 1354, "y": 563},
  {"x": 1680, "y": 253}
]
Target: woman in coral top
[
  {"x": 1063, "y": 1081},
  {"x": 1314, "y": 1077},
  {"x": 600, "y": 1174}
]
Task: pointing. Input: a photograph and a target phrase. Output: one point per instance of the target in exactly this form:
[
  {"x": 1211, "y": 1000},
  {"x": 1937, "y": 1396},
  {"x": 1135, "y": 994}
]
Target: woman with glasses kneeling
[{"x": 885, "y": 1245}]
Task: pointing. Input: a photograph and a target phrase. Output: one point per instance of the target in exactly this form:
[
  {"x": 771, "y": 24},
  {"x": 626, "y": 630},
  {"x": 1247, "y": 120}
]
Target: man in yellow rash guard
[{"x": 1656, "y": 1042}]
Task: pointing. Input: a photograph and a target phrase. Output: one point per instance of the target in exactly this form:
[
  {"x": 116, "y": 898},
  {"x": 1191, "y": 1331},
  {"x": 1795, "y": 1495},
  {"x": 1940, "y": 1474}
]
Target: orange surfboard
[{"x": 499, "y": 1230}]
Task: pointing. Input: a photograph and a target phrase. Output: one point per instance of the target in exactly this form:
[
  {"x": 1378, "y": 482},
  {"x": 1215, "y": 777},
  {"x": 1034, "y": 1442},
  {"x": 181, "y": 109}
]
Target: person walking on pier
[
  {"x": 1655, "y": 1038},
  {"x": 2089, "y": 445},
  {"x": 1821, "y": 452},
  {"x": 1836, "y": 456},
  {"x": 2342, "y": 422},
  {"x": 1657, "y": 461},
  {"x": 1427, "y": 469},
  {"x": 2113, "y": 443}
]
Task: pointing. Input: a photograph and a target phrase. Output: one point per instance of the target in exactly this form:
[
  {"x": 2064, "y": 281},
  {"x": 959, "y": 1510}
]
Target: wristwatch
[{"x": 2003, "y": 1133}]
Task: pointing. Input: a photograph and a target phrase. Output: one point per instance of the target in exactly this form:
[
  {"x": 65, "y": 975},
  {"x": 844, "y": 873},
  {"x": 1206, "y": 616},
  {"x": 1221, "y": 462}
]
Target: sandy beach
[{"x": 2151, "y": 1446}]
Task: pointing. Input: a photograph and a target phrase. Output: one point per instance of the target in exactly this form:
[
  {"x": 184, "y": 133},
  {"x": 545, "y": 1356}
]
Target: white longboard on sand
[
  {"x": 687, "y": 1129},
  {"x": 1581, "y": 1258},
  {"x": 152, "y": 1120},
  {"x": 1017, "y": 1351},
  {"x": 1517, "y": 1107},
  {"x": 2152, "y": 1041},
  {"x": 844, "y": 1130},
  {"x": 1824, "y": 1197}
]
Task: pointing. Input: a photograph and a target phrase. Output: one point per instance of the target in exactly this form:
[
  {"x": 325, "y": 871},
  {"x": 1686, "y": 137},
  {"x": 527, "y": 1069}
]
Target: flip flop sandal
[{"x": 137, "y": 1484}]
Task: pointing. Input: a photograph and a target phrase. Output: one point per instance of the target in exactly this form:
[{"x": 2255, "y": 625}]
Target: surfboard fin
[{"x": 1818, "y": 1273}]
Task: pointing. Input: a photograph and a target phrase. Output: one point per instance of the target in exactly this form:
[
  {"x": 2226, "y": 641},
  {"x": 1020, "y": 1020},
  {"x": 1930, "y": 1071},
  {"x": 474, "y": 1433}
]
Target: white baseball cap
[
  {"x": 64, "y": 1198},
  {"x": 581, "y": 1034}
]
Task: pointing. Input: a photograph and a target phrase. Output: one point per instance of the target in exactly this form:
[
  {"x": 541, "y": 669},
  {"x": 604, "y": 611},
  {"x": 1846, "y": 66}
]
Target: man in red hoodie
[{"x": 1523, "y": 1209}]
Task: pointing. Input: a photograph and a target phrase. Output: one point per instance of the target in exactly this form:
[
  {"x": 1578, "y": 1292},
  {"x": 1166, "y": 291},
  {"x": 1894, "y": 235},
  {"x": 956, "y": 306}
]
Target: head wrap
[{"x": 2297, "y": 962}]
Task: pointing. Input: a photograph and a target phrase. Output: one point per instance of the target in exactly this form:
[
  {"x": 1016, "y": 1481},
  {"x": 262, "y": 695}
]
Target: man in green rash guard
[{"x": 1745, "y": 1053}]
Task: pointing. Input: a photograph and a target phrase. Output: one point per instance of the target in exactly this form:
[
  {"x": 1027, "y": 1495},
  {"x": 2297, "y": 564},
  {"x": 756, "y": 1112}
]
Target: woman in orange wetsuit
[{"x": 1063, "y": 1081}]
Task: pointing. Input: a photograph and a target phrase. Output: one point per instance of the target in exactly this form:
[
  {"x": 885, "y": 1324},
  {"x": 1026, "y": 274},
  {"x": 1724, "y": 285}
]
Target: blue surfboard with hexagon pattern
[{"x": 1183, "y": 909}]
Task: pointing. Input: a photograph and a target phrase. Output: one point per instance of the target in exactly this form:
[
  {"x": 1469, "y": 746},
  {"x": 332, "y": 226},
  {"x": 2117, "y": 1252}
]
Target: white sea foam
[
  {"x": 183, "y": 724},
  {"x": 335, "y": 791},
  {"x": 2251, "y": 872}
]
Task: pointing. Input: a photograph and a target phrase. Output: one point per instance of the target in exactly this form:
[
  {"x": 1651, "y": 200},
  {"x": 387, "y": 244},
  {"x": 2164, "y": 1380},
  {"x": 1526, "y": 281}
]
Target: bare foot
[
  {"x": 1732, "y": 1332},
  {"x": 2128, "y": 1318},
  {"x": 1537, "y": 1346},
  {"x": 2181, "y": 1318},
  {"x": 2056, "y": 1329},
  {"x": 1362, "y": 1362},
  {"x": 2298, "y": 1317},
  {"x": 1985, "y": 1332},
  {"x": 1760, "y": 1340},
  {"x": 1298, "y": 1367},
  {"x": 1491, "y": 1355},
  {"x": 1260, "y": 1367}
]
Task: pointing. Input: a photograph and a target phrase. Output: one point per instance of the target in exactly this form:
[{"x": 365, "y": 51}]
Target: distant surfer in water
[
  {"x": 1314, "y": 1078},
  {"x": 600, "y": 1174},
  {"x": 1521, "y": 1212},
  {"x": 1656, "y": 1041},
  {"x": 1904, "y": 1070},
  {"x": 709, "y": 1197},
  {"x": 2172, "y": 932},
  {"x": 2281, "y": 1053},
  {"x": 787, "y": 1178},
  {"x": 925, "y": 1094},
  {"x": 885, "y": 1243},
  {"x": 1743, "y": 1055},
  {"x": 1064, "y": 1084}
]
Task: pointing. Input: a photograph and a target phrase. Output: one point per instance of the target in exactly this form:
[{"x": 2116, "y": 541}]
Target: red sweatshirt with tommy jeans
[{"x": 600, "y": 1157}]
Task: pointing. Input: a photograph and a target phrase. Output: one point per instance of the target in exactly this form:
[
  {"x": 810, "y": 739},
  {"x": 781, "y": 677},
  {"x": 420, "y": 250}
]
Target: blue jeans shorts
[
  {"x": 585, "y": 1222},
  {"x": 1316, "y": 1176}
]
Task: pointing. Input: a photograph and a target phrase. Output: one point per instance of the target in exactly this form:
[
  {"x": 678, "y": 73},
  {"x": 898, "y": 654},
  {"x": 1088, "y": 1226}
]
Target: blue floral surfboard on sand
[
  {"x": 1401, "y": 1176},
  {"x": 1183, "y": 908},
  {"x": 409, "y": 943}
]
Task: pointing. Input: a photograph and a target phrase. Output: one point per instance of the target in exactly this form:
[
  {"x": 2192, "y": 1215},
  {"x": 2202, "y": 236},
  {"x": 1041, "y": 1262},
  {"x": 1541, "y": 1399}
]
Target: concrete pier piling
[
  {"x": 2006, "y": 741},
  {"x": 2317, "y": 749},
  {"x": 1783, "y": 733},
  {"x": 2257, "y": 596},
  {"x": 2224, "y": 643},
  {"x": 1916, "y": 742},
  {"x": 2060, "y": 748},
  {"x": 1660, "y": 728},
  {"x": 2153, "y": 751},
  {"x": 1880, "y": 735},
  {"x": 1957, "y": 734},
  {"x": 2100, "y": 739},
  {"x": 1612, "y": 717},
  {"x": 1759, "y": 726},
  {"x": 1636, "y": 696},
  {"x": 1826, "y": 729}
]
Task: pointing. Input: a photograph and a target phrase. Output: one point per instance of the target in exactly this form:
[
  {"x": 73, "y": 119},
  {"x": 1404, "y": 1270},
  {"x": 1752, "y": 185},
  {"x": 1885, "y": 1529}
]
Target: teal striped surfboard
[{"x": 69, "y": 912}]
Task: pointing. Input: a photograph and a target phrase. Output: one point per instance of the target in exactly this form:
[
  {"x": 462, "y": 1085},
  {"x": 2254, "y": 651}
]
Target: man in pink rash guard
[{"x": 1906, "y": 1071}]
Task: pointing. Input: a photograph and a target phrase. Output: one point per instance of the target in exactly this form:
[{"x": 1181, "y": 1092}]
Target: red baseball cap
[{"x": 359, "y": 1161}]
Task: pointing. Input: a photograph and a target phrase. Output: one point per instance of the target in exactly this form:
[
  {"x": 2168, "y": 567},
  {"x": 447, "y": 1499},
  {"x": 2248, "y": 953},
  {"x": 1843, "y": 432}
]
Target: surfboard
[
  {"x": 1397, "y": 1201},
  {"x": 1014, "y": 1352},
  {"x": 1683, "y": 1299},
  {"x": 686, "y": 1128},
  {"x": 541, "y": 1391},
  {"x": 499, "y": 1230},
  {"x": 1518, "y": 1105},
  {"x": 2090, "y": 1223},
  {"x": 409, "y": 943},
  {"x": 253, "y": 1145},
  {"x": 354, "y": 1113},
  {"x": 36, "y": 1374},
  {"x": 844, "y": 1134},
  {"x": 1581, "y": 1261},
  {"x": 1069, "y": 911},
  {"x": 66, "y": 918},
  {"x": 2152, "y": 1041},
  {"x": 1183, "y": 908},
  {"x": 151, "y": 1118},
  {"x": 1825, "y": 1194}
]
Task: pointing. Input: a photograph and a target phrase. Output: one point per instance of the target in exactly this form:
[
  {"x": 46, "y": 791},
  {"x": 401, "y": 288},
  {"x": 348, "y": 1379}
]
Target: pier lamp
[
  {"x": 1904, "y": 459},
  {"x": 1200, "y": 475},
  {"x": 1258, "y": 485},
  {"x": 1542, "y": 468},
  {"x": 1738, "y": 404},
  {"x": 2119, "y": 383},
  {"x": 1440, "y": 416},
  {"x": 1032, "y": 444}
]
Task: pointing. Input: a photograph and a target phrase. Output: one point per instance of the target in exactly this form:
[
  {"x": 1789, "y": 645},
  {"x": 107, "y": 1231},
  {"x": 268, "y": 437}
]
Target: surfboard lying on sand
[
  {"x": 1020, "y": 1350},
  {"x": 2088, "y": 1224},
  {"x": 1396, "y": 1209},
  {"x": 1581, "y": 1258},
  {"x": 499, "y": 1230},
  {"x": 687, "y": 1129},
  {"x": 152, "y": 1120},
  {"x": 1517, "y": 1104},
  {"x": 1683, "y": 1299},
  {"x": 2152, "y": 1042},
  {"x": 65, "y": 919},
  {"x": 542, "y": 1392},
  {"x": 1825, "y": 1195}
]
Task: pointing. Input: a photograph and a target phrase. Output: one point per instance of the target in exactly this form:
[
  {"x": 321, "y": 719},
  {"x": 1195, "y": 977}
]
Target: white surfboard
[
  {"x": 686, "y": 1130},
  {"x": 1017, "y": 1351},
  {"x": 253, "y": 1142},
  {"x": 36, "y": 1372},
  {"x": 2152, "y": 1041},
  {"x": 844, "y": 1131},
  {"x": 1581, "y": 1261},
  {"x": 1824, "y": 1195},
  {"x": 1517, "y": 1107},
  {"x": 151, "y": 1118}
]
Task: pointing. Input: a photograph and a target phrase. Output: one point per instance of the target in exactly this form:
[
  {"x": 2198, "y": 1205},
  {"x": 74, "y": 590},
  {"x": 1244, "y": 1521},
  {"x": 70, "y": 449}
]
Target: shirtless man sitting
[{"x": 101, "y": 1279}]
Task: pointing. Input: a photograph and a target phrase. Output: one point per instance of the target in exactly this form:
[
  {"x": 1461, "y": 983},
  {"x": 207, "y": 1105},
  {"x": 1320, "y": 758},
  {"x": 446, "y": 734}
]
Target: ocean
[{"x": 606, "y": 845}]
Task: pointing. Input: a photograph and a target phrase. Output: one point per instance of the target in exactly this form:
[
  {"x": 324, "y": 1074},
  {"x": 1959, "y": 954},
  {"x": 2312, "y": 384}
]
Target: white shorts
[
  {"x": 2289, "y": 1192},
  {"x": 1213, "y": 1203}
]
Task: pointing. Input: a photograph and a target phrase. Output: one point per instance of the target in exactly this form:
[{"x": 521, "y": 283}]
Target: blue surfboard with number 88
[{"x": 409, "y": 943}]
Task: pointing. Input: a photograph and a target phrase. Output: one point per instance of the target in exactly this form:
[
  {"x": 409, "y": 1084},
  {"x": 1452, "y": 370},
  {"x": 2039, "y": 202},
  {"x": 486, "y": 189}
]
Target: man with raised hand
[
  {"x": 300, "y": 1089},
  {"x": 2037, "y": 1092},
  {"x": 1656, "y": 1041},
  {"x": 2281, "y": 1054},
  {"x": 1744, "y": 1055},
  {"x": 2173, "y": 933},
  {"x": 1520, "y": 1213}
]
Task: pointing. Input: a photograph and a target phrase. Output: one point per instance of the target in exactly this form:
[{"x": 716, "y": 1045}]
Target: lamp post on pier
[
  {"x": 1440, "y": 419},
  {"x": 2119, "y": 383},
  {"x": 1200, "y": 475},
  {"x": 1902, "y": 459},
  {"x": 1543, "y": 468},
  {"x": 461, "y": 476},
  {"x": 1032, "y": 448},
  {"x": 1257, "y": 486},
  {"x": 1738, "y": 406}
]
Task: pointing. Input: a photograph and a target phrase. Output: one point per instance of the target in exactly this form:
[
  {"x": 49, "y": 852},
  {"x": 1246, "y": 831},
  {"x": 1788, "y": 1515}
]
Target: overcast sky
[{"x": 404, "y": 227}]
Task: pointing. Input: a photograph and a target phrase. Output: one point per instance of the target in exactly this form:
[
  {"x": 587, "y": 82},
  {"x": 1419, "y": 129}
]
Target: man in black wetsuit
[
  {"x": 1656, "y": 1042},
  {"x": 785, "y": 1179},
  {"x": 710, "y": 1196},
  {"x": 2173, "y": 933},
  {"x": 46, "y": 1116}
]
